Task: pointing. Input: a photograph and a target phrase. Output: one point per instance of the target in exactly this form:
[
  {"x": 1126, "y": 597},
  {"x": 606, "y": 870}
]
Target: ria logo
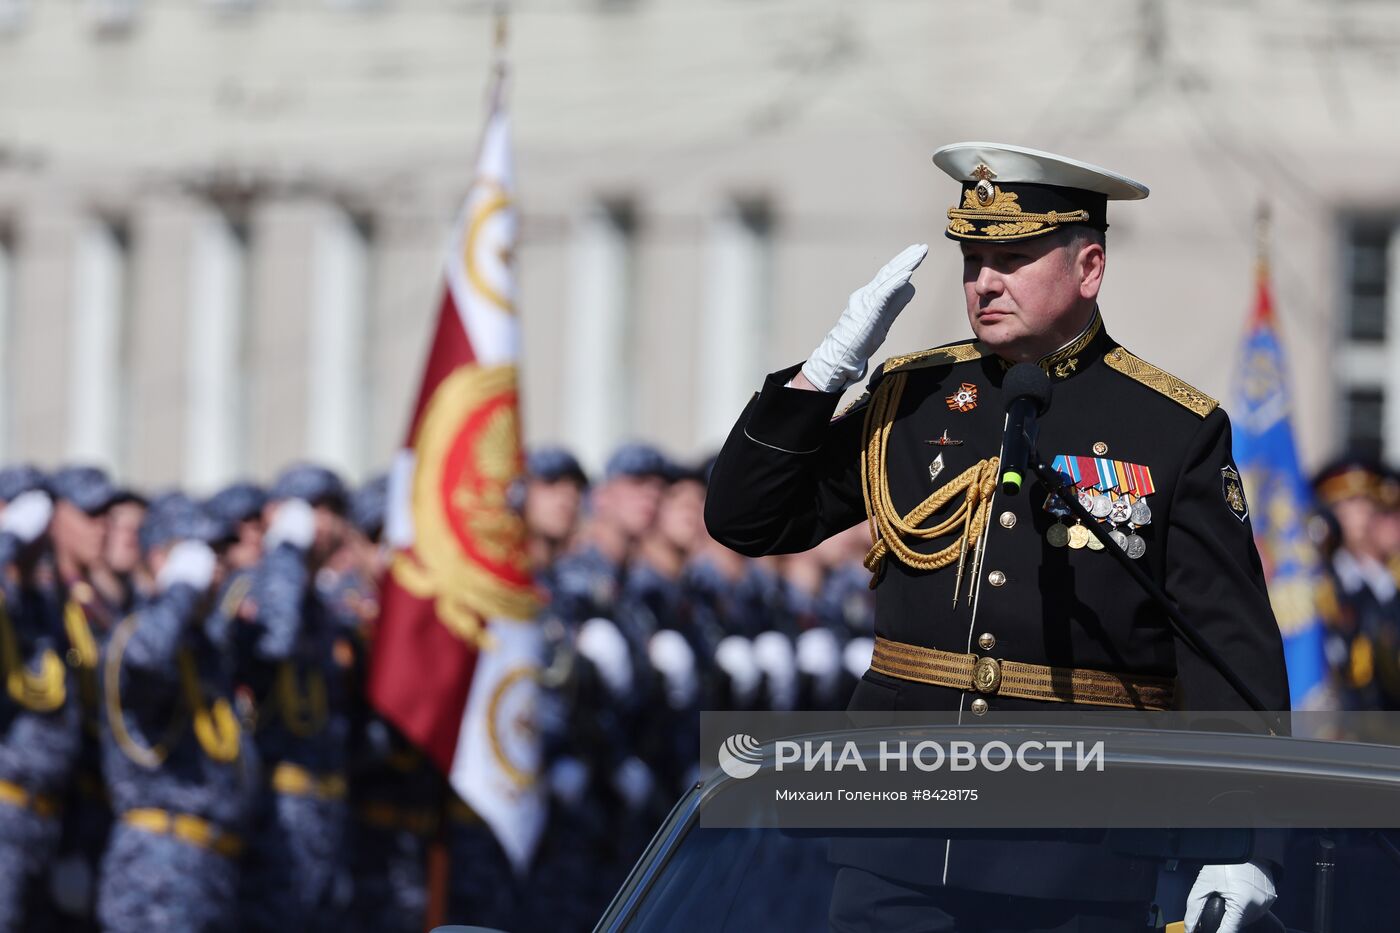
[{"x": 740, "y": 756}]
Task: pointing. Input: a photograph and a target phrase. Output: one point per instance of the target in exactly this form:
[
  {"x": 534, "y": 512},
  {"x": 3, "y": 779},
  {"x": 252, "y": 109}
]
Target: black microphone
[{"x": 1027, "y": 391}]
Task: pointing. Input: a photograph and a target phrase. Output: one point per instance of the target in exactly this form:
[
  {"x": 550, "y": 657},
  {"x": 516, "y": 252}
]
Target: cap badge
[{"x": 984, "y": 190}]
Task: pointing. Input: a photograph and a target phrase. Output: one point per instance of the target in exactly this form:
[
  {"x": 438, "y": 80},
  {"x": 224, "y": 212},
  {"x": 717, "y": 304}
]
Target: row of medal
[{"x": 1112, "y": 492}]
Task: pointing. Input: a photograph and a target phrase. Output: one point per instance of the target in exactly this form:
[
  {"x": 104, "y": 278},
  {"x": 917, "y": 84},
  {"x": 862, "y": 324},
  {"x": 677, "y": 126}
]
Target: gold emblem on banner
[
  {"x": 510, "y": 724},
  {"x": 469, "y": 552},
  {"x": 486, "y": 250}
]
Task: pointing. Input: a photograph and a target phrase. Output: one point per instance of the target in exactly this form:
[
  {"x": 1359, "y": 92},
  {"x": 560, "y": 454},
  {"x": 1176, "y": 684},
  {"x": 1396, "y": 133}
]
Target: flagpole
[
  {"x": 438, "y": 862},
  {"x": 1261, "y": 237},
  {"x": 501, "y": 35}
]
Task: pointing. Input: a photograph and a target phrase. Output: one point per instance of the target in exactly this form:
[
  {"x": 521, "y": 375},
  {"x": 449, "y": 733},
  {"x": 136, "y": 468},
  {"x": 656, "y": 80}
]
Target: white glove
[
  {"x": 189, "y": 562},
  {"x": 1247, "y": 888},
  {"x": 857, "y": 655},
  {"x": 772, "y": 652},
  {"x": 674, "y": 660},
  {"x": 633, "y": 782},
  {"x": 27, "y": 515},
  {"x": 600, "y": 642},
  {"x": 568, "y": 779},
  {"x": 819, "y": 657},
  {"x": 841, "y": 358},
  {"x": 734, "y": 656},
  {"x": 294, "y": 524}
]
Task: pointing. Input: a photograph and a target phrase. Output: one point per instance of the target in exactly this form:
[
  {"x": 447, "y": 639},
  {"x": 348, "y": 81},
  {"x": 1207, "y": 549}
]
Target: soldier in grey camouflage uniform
[
  {"x": 39, "y": 727},
  {"x": 300, "y": 668},
  {"x": 180, "y": 772},
  {"x": 83, "y": 496}
]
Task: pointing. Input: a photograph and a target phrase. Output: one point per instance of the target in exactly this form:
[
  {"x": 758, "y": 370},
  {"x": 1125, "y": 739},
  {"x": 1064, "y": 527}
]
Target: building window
[
  {"x": 601, "y": 374},
  {"x": 1367, "y": 282},
  {"x": 1368, "y": 361},
  {"x": 98, "y": 340},
  {"x": 337, "y": 364},
  {"x": 1365, "y": 423},
  {"x": 216, "y": 412},
  {"x": 737, "y": 316}
]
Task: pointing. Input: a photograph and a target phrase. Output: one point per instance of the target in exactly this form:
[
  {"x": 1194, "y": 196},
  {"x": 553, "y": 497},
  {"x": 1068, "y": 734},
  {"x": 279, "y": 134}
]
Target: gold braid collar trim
[
  {"x": 890, "y": 532},
  {"x": 1140, "y": 370},
  {"x": 1065, "y": 360}
]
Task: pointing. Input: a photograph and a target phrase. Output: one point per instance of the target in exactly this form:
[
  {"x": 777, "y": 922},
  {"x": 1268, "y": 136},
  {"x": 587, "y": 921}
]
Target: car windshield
[{"x": 746, "y": 879}]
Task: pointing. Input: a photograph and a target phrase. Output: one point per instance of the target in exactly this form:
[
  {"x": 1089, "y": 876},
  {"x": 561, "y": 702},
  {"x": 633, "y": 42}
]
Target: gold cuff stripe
[
  {"x": 194, "y": 830},
  {"x": 296, "y": 781},
  {"x": 17, "y": 796},
  {"x": 1185, "y": 395},
  {"x": 1022, "y": 681},
  {"x": 386, "y": 816}
]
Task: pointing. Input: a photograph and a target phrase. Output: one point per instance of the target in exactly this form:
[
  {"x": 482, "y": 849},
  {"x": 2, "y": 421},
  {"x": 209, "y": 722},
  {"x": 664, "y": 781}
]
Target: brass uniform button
[
  {"x": 1008, "y": 519},
  {"x": 1100, "y": 448},
  {"x": 979, "y": 707},
  {"x": 996, "y": 578},
  {"x": 986, "y": 641}
]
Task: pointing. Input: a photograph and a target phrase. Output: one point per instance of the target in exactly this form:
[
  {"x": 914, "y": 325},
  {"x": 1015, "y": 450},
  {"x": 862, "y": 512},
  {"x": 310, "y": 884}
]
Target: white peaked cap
[{"x": 1013, "y": 164}]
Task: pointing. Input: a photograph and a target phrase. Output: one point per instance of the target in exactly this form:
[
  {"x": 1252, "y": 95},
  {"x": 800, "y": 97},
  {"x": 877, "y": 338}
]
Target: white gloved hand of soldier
[
  {"x": 27, "y": 515},
  {"x": 294, "y": 523},
  {"x": 1248, "y": 890},
  {"x": 189, "y": 562},
  {"x": 633, "y": 782},
  {"x": 841, "y": 358},
  {"x": 568, "y": 779}
]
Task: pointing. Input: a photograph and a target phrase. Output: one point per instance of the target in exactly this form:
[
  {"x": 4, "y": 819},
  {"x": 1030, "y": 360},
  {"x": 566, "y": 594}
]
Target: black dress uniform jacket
[{"x": 789, "y": 476}]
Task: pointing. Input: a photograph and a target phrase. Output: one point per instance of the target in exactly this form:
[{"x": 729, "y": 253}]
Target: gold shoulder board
[
  {"x": 938, "y": 356},
  {"x": 1161, "y": 381}
]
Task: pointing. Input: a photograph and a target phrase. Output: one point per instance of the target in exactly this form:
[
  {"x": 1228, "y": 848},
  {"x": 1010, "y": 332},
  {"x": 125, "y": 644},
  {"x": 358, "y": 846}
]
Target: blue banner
[{"x": 1280, "y": 502}]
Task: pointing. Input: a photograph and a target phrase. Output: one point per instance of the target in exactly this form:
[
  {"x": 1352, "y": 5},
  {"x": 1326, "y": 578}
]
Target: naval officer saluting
[{"x": 986, "y": 601}]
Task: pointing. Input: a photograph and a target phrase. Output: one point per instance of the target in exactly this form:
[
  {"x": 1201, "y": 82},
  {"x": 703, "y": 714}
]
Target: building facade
[{"x": 221, "y": 221}]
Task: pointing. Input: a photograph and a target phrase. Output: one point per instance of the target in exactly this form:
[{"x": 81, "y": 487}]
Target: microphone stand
[{"x": 1183, "y": 629}]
